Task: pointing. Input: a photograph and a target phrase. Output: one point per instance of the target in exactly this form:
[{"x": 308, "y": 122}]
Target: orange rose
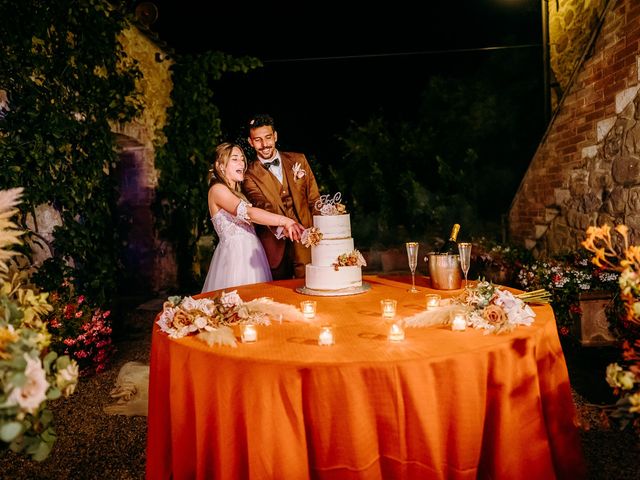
[{"x": 494, "y": 314}]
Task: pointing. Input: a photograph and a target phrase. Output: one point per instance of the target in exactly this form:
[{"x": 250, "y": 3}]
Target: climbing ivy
[
  {"x": 67, "y": 77},
  {"x": 192, "y": 132}
]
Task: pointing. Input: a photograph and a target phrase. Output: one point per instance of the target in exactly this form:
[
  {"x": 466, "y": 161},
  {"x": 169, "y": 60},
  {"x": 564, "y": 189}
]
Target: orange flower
[{"x": 6, "y": 337}]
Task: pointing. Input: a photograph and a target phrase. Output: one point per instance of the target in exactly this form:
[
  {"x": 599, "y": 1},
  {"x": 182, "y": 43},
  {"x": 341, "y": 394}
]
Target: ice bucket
[{"x": 444, "y": 270}]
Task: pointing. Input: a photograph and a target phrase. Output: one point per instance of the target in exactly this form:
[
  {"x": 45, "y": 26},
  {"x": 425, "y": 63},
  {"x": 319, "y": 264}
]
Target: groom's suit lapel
[
  {"x": 269, "y": 185},
  {"x": 287, "y": 170}
]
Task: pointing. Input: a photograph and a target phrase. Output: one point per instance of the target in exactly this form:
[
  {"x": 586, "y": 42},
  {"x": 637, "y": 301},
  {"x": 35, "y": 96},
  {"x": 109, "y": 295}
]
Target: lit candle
[
  {"x": 249, "y": 333},
  {"x": 326, "y": 336},
  {"x": 308, "y": 308},
  {"x": 459, "y": 321},
  {"x": 388, "y": 308},
  {"x": 396, "y": 333},
  {"x": 433, "y": 301}
]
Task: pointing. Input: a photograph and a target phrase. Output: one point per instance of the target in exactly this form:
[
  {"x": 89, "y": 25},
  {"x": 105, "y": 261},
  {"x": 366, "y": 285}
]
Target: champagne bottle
[{"x": 451, "y": 245}]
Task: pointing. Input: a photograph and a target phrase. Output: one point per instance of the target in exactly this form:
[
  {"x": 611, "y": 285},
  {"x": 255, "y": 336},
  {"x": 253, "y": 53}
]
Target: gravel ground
[{"x": 93, "y": 445}]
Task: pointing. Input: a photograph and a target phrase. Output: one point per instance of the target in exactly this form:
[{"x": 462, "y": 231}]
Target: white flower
[
  {"x": 67, "y": 378},
  {"x": 33, "y": 392},
  {"x": 329, "y": 209},
  {"x": 518, "y": 312},
  {"x": 298, "y": 172},
  {"x": 231, "y": 299}
]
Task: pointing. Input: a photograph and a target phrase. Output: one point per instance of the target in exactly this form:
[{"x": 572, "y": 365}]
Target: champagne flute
[
  {"x": 412, "y": 254},
  {"x": 465, "y": 259}
]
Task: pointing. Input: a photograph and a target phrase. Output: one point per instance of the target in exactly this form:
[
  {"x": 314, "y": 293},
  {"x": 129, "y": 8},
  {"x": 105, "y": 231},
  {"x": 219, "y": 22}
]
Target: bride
[{"x": 239, "y": 258}]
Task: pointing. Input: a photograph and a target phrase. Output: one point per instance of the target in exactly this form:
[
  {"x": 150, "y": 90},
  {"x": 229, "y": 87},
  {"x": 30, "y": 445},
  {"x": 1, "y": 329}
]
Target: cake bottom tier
[{"x": 328, "y": 278}]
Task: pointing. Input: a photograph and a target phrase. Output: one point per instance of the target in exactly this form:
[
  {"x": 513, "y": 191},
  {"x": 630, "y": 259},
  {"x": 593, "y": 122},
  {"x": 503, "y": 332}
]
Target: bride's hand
[{"x": 293, "y": 229}]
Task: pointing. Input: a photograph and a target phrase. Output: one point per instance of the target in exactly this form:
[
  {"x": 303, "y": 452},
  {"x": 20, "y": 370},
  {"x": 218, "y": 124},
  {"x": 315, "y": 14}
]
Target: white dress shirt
[{"x": 277, "y": 171}]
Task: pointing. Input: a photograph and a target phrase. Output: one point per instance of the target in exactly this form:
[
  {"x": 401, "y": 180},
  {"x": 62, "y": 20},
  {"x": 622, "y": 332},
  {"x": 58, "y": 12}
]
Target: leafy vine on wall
[
  {"x": 66, "y": 77},
  {"x": 192, "y": 133}
]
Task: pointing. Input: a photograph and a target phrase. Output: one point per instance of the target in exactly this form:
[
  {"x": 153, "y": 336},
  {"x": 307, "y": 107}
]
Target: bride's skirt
[{"x": 237, "y": 260}]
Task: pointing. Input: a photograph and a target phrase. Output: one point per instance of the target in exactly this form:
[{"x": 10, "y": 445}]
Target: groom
[{"x": 280, "y": 182}]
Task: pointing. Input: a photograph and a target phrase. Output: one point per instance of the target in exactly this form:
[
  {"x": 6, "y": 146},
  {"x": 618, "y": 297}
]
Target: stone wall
[
  {"x": 587, "y": 168},
  {"x": 150, "y": 259},
  {"x": 571, "y": 24}
]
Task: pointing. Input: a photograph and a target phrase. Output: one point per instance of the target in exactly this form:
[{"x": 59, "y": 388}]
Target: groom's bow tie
[{"x": 274, "y": 163}]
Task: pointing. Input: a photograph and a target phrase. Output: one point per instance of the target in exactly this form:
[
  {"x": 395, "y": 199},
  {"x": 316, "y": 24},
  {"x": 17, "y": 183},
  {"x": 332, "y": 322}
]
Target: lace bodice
[{"x": 228, "y": 226}]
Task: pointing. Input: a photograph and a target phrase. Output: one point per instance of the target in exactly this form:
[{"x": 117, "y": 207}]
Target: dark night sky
[{"x": 314, "y": 99}]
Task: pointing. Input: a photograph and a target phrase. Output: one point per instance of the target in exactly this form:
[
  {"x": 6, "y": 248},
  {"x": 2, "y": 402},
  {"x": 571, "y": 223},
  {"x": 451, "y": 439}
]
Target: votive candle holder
[
  {"x": 433, "y": 301},
  {"x": 396, "y": 333},
  {"x": 458, "y": 320},
  {"x": 388, "y": 308},
  {"x": 308, "y": 308},
  {"x": 326, "y": 337},
  {"x": 248, "y": 333}
]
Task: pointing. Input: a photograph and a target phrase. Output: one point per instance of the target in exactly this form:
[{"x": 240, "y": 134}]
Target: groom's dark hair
[{"x": 260, "y": 120}]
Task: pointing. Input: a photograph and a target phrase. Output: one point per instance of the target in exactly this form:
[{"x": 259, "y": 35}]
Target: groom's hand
[{"x": 294, "y": 231}]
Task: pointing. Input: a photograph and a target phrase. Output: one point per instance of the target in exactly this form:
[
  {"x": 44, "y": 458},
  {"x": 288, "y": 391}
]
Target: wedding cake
[{"x": 335, "y": 264}]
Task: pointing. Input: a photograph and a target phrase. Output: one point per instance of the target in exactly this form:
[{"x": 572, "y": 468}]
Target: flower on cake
[
  {"x": 331, "y": 206},
  {"x": 298, "y": 172},
  {"x": 351, "y": 259},
  {"x": 311, "y": 237}
]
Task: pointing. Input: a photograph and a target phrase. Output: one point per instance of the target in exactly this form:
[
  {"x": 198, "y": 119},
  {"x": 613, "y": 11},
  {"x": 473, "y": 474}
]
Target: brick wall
[{"x": 584, "y": 171}]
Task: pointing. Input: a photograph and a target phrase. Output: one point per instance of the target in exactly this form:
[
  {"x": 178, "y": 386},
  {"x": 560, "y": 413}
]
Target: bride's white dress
[{"x": 239, "y": 258}]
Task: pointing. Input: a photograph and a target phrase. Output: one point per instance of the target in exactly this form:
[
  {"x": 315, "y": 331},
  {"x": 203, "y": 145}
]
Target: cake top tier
[{"x": 333, "y": 226}]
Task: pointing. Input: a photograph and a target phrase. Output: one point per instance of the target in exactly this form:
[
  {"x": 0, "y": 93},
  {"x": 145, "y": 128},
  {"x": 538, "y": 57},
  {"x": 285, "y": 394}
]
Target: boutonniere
[{"x": 298, "y": 172}]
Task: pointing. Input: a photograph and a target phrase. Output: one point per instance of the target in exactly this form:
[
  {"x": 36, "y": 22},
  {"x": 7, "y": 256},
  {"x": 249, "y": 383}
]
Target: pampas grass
[
  {"x": 9, "y": 235},
  {"x": 220, "y": 336},
  {"x": 277, "y": 311},
  {"x": 437, "y": 316}
]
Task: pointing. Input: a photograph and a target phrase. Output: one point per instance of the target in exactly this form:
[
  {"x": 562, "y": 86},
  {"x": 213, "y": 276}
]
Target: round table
[{"x": 440, "y": 404}]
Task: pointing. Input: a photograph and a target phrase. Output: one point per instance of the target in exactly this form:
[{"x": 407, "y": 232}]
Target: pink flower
[
  {"x": 33, "y": 390},
  {"x": 80, "y": 299}
]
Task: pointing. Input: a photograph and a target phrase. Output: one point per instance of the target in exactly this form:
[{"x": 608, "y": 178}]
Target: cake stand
[{"x": 365, "y": 287}]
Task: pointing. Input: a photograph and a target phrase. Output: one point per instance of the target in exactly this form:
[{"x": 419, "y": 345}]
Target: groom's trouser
[{"x": 285, "y": 270}]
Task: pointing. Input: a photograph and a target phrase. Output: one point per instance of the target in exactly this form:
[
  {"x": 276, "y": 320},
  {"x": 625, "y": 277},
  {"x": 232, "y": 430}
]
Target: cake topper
[{"x": 330, "y": 206}]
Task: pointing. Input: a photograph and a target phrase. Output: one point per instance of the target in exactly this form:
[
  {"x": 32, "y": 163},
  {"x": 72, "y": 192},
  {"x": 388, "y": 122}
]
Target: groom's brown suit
[{"x": 294, "y": 198}]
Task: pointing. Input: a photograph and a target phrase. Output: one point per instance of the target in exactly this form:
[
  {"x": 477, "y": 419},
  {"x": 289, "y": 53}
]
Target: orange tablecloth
[{"x": 441, "y": 404}]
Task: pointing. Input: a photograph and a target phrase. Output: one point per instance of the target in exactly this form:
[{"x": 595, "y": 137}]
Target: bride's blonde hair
[{"x": 216, "y": 174}]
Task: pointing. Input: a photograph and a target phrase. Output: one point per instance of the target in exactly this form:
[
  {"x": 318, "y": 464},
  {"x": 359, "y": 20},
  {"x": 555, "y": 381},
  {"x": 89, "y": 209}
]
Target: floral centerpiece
[
  {"x": 497, "y": 310},
  {"x": 31, "y": 373},
  {"x": 211, "y": 318},
  {"x": 616, "y": 254},
  {"x": 487, "y": 307}
]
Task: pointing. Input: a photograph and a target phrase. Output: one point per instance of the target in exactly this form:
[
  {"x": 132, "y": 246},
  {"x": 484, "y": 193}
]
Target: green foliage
[
  {"x": 458, "y": 158},
  {"x": 192, "y": 133},
  {"x": 67, "y": 77}
]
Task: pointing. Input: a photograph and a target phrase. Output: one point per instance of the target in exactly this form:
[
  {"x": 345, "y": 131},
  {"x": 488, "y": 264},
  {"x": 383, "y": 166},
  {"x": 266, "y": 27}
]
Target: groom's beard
[{"x": 267, "y": 153}]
